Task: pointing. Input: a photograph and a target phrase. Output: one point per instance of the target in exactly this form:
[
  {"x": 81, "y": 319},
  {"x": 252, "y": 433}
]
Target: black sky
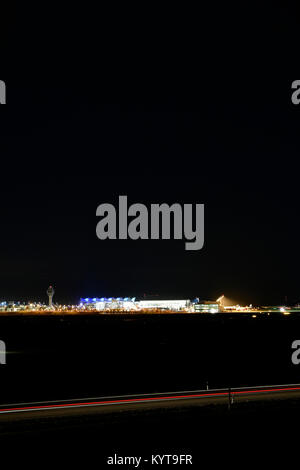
[{"x": 163, "y": 106}]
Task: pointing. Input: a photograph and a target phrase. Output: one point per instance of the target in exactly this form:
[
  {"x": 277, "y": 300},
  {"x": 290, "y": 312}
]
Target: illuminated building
[
  {"x": 164, "y": 304},
  {"x": 111, "y": 303},
  {"x": 130, "y": 303},
  {"x": 207, "y": 306}
]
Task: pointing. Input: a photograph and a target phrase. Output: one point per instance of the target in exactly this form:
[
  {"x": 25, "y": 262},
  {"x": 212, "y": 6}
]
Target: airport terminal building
[
  {"x": 164, "y": 304},
  {"x": 132, "y": 304}
]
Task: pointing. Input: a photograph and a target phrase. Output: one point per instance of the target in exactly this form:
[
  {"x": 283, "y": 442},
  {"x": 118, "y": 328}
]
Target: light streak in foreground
[{"x": 143, "y": 398}]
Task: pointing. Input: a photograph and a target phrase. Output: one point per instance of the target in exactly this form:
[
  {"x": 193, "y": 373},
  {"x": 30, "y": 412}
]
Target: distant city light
[{"x": 118, "y": 305}]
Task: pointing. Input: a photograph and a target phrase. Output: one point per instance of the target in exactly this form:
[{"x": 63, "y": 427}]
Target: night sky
[{"x": 187, "y": 107}]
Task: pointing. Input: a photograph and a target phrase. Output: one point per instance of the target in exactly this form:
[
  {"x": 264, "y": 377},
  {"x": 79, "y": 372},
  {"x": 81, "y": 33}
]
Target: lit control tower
[{"x": 50, "y": 293}]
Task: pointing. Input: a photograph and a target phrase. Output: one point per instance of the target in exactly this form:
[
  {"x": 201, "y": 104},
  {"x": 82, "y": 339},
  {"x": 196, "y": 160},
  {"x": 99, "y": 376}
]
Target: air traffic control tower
[{"x": 50, "y": 293}]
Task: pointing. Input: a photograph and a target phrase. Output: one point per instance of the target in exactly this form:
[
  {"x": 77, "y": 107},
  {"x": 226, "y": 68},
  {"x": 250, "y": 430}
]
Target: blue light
[
  {"x": 102, "y": 299},
  {"x": 94, "y": 299}
]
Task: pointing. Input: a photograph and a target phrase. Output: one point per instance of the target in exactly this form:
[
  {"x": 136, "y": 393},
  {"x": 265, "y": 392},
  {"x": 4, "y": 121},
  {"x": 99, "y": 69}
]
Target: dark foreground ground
[
  {"x": 51, "y": 358},
  {"x": 62, "y": 358}
]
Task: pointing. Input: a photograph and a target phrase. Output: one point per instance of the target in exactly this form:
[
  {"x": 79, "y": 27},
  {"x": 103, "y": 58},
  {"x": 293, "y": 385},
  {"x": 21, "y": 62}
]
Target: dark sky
[{"x": 163, "y": 106}]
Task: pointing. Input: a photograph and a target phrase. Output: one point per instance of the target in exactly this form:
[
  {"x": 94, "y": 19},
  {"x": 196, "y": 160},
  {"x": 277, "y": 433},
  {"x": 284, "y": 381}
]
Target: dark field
[{"x": 68, "y": 357}]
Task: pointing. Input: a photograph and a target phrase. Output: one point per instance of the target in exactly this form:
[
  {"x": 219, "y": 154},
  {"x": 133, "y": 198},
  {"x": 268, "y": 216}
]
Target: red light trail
[{"x": 157, "y": 398}]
